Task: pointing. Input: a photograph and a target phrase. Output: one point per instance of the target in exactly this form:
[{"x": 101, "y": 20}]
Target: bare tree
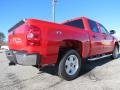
[{"x": 2, "y": 37}]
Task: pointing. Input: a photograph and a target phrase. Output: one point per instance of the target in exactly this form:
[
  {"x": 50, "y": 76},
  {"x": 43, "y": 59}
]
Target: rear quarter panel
[{"x": 56, "y": 33}]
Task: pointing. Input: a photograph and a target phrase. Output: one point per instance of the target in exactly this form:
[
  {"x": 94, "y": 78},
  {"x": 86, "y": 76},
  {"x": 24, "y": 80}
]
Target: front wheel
[
  {"x": 69, "y": 66},
  {"x": 115, "y": 52}
]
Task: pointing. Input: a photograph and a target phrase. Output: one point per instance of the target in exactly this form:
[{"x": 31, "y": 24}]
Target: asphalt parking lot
[{"x": 103, "y": 74}]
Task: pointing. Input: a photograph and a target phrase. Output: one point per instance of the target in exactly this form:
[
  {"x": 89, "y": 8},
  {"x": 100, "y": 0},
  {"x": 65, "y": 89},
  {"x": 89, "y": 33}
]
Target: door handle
[
  {"x": 104, "y": 37},
  {"x": 94, "y": 36}
]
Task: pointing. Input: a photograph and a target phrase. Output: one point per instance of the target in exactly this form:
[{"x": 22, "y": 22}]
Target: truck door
[
  {"x": 107, "y": 39},
  {"x": 95, "y": 38}
]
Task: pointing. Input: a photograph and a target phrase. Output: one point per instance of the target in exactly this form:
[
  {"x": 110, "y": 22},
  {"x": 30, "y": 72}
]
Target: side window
[
  {"x": 93, "y": 26},
  {"x": 103, "y": 30},
  {"x": 76, "y": 23}
]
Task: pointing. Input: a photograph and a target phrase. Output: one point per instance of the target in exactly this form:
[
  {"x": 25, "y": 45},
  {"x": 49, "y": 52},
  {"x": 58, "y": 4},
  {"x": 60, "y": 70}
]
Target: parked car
[
  {"x": 67, "y": 45},
  {"x": 4, "y": 47}
]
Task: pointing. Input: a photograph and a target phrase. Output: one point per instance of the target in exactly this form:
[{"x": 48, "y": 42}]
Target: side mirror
[{"x": 112, "y": 32}]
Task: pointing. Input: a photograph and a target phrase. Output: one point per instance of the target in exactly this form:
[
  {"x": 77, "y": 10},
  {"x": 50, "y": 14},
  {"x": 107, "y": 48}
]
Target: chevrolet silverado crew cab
[{"x": 67, "y": 45}]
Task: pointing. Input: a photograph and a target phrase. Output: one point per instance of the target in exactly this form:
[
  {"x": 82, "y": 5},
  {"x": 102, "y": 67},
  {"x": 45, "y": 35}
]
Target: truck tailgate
[{"x": 17, "y": 36}]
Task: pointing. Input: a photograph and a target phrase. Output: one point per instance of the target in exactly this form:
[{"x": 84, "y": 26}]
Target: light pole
[{"x": 53, "y": 9}]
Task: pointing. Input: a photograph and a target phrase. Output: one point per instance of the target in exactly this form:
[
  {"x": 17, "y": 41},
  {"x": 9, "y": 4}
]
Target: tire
[
  {"x": 11, "y": 63},
  {"x": 115, "y": 53},
  {"x": 69, "y": 65}
]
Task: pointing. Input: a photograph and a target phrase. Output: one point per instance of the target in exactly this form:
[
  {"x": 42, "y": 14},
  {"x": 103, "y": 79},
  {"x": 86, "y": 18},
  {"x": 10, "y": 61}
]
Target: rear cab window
[{"x": 75, "y": 23}]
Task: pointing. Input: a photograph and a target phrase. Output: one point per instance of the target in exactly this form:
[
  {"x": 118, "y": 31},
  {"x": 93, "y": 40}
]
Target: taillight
[
  {"x": 30, "y": 35},
  {"x": 33, "y": 36}
]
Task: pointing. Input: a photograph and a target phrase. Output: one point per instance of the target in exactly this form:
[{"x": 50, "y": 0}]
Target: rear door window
[{"x": 93, "y": 26}]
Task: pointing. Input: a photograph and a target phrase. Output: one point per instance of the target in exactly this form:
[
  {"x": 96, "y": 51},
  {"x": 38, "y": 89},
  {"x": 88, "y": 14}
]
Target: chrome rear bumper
[{"x": 22, "y": 58}]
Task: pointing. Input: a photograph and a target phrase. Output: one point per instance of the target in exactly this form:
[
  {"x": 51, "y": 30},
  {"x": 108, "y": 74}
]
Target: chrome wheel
[{"x": 71, "y": 65}]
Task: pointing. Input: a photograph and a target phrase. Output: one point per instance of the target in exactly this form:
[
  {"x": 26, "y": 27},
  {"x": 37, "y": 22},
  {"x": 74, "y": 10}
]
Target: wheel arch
[{"x": 68, "y": 44}]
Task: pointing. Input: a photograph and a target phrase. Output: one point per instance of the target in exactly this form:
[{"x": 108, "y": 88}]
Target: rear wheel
[
  {"x": 69, "y": 66},
  {"x": 115, "y": 52}
]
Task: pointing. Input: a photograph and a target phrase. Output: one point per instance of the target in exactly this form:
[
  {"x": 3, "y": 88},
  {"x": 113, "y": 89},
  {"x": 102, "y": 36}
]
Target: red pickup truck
[{"x": 67, "y": 45}]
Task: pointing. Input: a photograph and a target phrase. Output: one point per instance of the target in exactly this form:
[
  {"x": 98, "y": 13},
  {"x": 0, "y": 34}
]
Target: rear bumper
[{"x": 22, "y": 58}]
